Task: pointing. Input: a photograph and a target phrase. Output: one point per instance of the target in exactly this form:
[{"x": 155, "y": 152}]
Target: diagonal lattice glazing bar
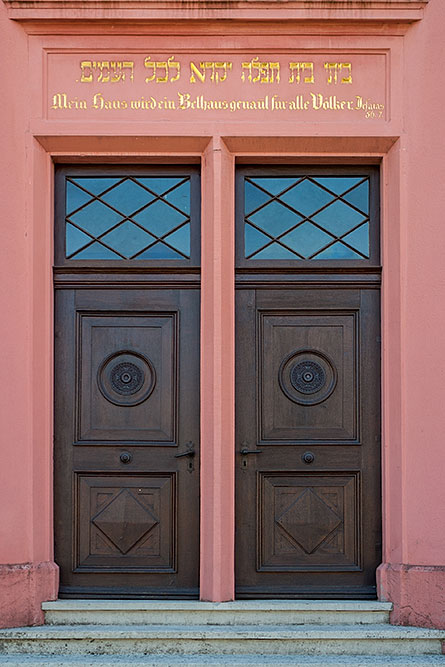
[
  {"x": 307, "y": 217},
  {"x": 128, "y": 217}
]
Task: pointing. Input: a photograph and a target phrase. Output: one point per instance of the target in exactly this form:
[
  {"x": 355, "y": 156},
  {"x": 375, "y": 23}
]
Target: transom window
[
  {"x": 306, "y": 216},
  {"x": 139, "y": 215}
]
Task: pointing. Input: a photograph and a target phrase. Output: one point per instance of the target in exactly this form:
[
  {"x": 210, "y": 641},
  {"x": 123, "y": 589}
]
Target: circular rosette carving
[
  {"x": 126, "y": 378},
  {"x": 307, "y": 377}
]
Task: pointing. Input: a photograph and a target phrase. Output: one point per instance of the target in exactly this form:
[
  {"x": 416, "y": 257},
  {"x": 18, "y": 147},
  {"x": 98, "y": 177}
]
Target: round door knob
[
  {"x": 125, "y": 457},
  {"x": 308, "y": 457}
]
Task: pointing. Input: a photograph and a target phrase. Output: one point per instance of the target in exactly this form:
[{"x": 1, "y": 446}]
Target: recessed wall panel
[
  {"x": 126, "y": 385},
  {"x": 308, "y": 376}
]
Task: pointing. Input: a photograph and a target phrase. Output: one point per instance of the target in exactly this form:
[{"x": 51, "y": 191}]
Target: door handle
[
  {"x": 190, "y": 451},
  {"x": 244, "y": 451}
]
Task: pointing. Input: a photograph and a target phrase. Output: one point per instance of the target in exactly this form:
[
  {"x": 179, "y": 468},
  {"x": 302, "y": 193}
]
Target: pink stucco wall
[
  {"x": 415, "y": 470},
  {"x": 410, "y": 146},
  {"x": 27, "y": 571}
]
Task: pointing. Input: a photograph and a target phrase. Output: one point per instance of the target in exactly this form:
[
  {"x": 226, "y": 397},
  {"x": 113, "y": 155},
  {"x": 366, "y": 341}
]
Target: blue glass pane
[
  {"x": 275, "y": 218},
  {"x": 305, "y": 214},
  {"x": 159, "y": 218},
  {"x": 253, "y": 197},
  {"x": 359, "y": 197},
  {"x": 338, "y": 218},
  {"x": 274, "y": 185},
  {"x": 96, "y": 218},
  {"x": 75, "y": 197},
  {"x": 127, "y": 197},
  {"x": 96, "y": 251},
  {"x": 159, "y": 251},
  {"x": 338, "y": 184},
  {"x": 180, "y": 197},
  {"x": 338, "y": 251},
  {"x": 96, "y": 185},
  {"x": 159, "y": 185},
  {"x": 180, "y": 239},
  {"x": 306, "y": 239},
  {"x": 359, "y": 239},
  {"x": 253, "y": 240},
  {"x": 128, "y": 239},
  {"x": 75, "y": 239},
  {"x": 306, "y": 197},
  {"x": 274, "y": 251},
  {"x": 103, "y": 214}
]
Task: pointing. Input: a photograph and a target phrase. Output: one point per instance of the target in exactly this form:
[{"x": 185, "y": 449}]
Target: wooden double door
[{"x": 307, "y": 442}]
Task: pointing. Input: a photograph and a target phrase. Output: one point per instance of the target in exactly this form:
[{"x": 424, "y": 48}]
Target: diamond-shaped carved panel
[
  {"x": 309, "y": 521},
  {"x": 125, "y": 521}
]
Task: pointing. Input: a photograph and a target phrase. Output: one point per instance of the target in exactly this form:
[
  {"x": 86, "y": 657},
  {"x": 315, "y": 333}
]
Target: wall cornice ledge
[{"x": 399, "y": 11}]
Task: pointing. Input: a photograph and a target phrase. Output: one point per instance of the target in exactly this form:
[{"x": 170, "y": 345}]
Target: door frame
[{"x": 218, "y": 158}]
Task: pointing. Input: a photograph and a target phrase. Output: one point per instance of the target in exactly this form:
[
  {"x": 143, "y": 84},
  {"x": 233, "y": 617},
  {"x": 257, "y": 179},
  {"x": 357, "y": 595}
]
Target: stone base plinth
[
  {"x": 416, "y": 591},
  {"x": 23, "y": 588}
]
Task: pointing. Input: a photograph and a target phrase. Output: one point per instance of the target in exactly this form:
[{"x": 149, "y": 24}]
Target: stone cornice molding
[{"x": 400, "y": 11}]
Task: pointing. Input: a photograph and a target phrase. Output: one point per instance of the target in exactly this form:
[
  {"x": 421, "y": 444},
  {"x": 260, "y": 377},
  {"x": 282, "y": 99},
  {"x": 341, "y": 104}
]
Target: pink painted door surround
[{"x": 414, "y": 549}]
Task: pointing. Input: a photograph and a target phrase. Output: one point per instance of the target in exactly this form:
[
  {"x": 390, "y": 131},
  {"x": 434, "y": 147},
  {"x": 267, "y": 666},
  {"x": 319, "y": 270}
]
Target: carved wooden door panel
[
  {"x": 308, "y": 399},
  {"x": 127, "y": 282},
  {"x": 308, "y": 499},
  {"x": 127, "y": 442}
]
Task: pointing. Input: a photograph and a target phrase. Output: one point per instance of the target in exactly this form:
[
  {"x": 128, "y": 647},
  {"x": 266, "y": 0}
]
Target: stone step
[
  {"x": 229, "y": 660},
  {"x": 267, "y": 640},
  {"x": 242, "y": 612}
]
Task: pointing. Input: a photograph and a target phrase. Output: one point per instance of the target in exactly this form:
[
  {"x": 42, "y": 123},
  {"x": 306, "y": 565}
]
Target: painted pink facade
[{"x": 408, "y": 143}]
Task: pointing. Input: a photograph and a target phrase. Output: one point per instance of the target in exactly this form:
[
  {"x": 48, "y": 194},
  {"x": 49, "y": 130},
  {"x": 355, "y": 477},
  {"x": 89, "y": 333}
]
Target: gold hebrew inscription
[
  {"x": 337, "y": 70},
  {"x": 260, "y": 72},
  {"x": 217, "y": 71},
  {"x": 162, "y": 71},
  {"x": 301, "y": 72},
  {"x": 106, "y": 71}
]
